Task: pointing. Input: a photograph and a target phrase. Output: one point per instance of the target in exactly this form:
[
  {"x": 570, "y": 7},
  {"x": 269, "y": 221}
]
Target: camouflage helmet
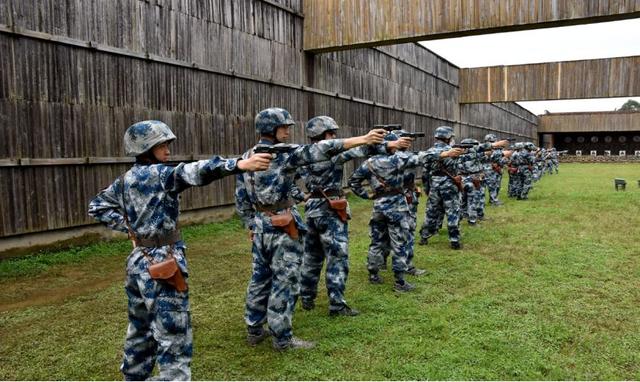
[
  {"x": 490, "y": 138},
  {"x": 519, "y": 145},
  {"x": 470, "y": 141},
  {"x": 268, "y": 120},
  {"x": 317, "y": 126},
  {"x": 444, "y": 132},
  {"x": 142, "y": 136},
  {"x": 529, "y": 146}
]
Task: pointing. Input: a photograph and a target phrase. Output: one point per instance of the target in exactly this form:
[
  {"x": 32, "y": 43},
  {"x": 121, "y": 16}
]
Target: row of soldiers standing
[{"x": 288, "y": 253}]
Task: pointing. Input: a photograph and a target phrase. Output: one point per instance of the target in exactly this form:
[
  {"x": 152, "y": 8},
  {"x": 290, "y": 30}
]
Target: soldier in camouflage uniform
[
  {"x": 144, "y": 203},
  {"x": 553, "y": 161},
  {"x": 384, "y": 173},
  {"x": 522, "y": 161},
  {"x": 412, "y": 193},
  {"x": 327, "y": 234},
  {"x": 493, "y": 170},
  {"x": 471, "y": 169},
  {"x": 512, "y": 170},
  {"x": 263, "y": 202},
  {"x": 444, "y": 195},
  {"x": 538, "y": 167}
]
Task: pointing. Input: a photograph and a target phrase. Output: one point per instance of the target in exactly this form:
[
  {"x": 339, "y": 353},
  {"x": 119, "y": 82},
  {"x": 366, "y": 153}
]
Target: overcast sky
[{"x": 580, "y": 42}]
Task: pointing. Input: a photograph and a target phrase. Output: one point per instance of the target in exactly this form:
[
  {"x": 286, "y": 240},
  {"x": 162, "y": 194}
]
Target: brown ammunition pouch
[
  {"x": 530, "y": 167},
  {"x": 497, "y": 168},
  {"x": 285, "y": 222},
  {"x": 513, "y": 170},
  {"x": 418, "y": 191},
  {"x": 169, "y": 272}
]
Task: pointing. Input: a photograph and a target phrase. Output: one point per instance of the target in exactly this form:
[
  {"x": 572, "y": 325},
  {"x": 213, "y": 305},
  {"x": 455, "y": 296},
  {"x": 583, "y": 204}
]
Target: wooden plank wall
[
  {"x": 344, "y": 24},
  {"x": 601, "y": 78},
  {"x": 74, "y": 74},
  {"x": 611, "y": 121}
]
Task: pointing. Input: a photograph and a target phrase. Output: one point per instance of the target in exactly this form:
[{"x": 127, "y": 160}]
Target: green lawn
[{"x": 546, "y": 289}]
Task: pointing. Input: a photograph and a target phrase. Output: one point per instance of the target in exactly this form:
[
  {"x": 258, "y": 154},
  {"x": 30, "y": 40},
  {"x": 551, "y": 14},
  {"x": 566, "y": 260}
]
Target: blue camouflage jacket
[
  {"x": 435, "y": 164},
  {"x": 276, "y": 185},
  {"x": 385, "y": 174},
  {"x": 522, "y": 159},
  {"x": 327, "y": 175},
  {"x": 149, "y": 195},
  {"x": 472, "y": 162}
]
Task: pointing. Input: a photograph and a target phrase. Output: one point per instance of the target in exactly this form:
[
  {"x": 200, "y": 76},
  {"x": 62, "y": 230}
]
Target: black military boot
[
  {"x": 423, "y": 241},
  {"x": 403, "y": 286},
  {"x": 308, "y": 304},
  {"x": 456, "y": 245},
  {"x": 344, "y": 311},
  {"x": 256, "y": 335},
  {"x": 374, "y": 278}
]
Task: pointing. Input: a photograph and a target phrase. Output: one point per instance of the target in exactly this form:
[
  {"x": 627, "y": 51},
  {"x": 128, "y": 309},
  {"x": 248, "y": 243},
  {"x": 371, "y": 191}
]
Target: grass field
[{"x": 546, "y": 289}]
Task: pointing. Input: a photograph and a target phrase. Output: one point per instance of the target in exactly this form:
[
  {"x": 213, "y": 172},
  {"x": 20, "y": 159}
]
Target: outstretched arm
[{"x": 203, "y": 172}]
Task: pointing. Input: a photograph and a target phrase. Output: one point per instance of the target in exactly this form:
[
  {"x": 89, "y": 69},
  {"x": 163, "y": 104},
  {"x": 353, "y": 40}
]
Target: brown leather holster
[
  {"x": 408, "y": 195},
  {"x": 457, "y": 180},
  {"x": 169, "y": 272},
  {"x": 513, "y": 170},
  {"x": 497, "y": 168},
  {"x": 286, "y": 222},
  {"x": 477, "y": 182},
  {"x": 340, "y": 208}
]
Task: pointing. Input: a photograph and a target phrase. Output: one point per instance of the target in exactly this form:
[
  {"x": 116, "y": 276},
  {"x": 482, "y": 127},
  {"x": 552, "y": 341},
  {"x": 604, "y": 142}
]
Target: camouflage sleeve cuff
[{"x": 231, "y": 165}]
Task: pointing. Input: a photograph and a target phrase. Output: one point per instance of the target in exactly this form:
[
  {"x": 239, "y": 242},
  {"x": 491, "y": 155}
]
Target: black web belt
[{"x": 159, "y": 241}]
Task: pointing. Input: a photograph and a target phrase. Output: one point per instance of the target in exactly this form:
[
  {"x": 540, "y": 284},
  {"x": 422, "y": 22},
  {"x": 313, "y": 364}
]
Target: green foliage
[
  {"x": 630, "y": 105},
  {"x": 545, "y": 289}
]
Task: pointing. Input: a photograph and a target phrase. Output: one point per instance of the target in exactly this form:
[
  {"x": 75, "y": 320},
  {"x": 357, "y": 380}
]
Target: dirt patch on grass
[{"x": 61, "y": 284}]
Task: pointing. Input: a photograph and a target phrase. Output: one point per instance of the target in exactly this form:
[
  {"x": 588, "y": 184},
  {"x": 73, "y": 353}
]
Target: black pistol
[
  {"x": 390, "y": 127},
  {"x": 408, "y": 134},
  {"x": 463, "y": 146},
  {"x": 279, "y": 148}
]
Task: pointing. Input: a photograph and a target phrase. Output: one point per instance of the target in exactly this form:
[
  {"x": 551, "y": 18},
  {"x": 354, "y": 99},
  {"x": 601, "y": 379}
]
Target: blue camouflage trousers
[
  {"x": 472, "y": 200},
  {"x": 444, "y": 199},
  {"x": 327, "y": 237},
  {"x": 548, "y": 167},
  {"x": 389, "y": 229},
  {"x": 493, "y": 181},
  {"x": 522, "y": 182},
  {"x": 159, "y": 324},
  {"x": 274, "y": 285},
  {"x": 411, "y": 235}
]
